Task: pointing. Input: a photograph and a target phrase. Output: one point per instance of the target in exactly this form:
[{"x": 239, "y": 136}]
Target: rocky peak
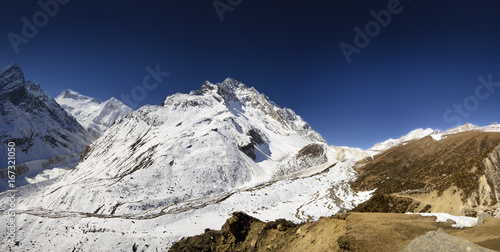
[
  {"x": 466, "y": 126},
  {"x": 237, "y": 96},
  {"x": 11, "y": 76}
]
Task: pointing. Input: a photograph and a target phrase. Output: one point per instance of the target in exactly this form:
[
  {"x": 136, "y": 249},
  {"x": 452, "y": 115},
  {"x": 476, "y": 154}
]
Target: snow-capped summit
[
  {"x": 235, "y": 94},
  {"x": 38, "y": 126},
  {"x": 70, "y": 94},
  {"x": 94, "y": 115},
  {"x": 462, "y": 128}
]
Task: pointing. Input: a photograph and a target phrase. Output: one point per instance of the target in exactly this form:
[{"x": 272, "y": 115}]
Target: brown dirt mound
[{"x": 244, "y": 233}]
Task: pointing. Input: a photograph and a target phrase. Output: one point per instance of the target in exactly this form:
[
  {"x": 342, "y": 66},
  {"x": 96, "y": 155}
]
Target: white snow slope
[{"x": 95, "y": 116}]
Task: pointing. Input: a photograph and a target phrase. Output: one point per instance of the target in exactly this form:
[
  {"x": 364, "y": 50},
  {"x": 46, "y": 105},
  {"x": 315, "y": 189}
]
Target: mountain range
[
  {"x": 104, "y": 177},
  {"x": 38, "y": 126},
  {"x": 95, "y": 116}
]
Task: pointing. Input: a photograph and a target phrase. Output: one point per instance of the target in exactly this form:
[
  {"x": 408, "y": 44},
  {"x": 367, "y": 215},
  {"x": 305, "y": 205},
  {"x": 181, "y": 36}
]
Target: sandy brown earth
[
  {"x": 244, "y": 233},
  {"x": 350, "y": 232}
]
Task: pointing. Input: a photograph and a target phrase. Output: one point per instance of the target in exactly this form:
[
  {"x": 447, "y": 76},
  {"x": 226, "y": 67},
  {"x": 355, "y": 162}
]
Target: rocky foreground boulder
[{"x": 441, "y": 241}]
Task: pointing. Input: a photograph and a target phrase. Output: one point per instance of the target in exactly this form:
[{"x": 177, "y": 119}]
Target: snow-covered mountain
[
  {"x": 214, "y": 140},
  {"x": 95, "y": 116},
  {"x": 188, "y": 164},
  {"x": 36, "y": 123}
]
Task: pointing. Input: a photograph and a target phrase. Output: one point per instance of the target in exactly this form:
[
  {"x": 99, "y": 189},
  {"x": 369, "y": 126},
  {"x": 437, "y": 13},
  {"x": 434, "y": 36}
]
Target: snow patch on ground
[{"x": 461, "y": 221}]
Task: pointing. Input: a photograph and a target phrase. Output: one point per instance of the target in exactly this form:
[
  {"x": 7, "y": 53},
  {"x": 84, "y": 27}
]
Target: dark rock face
[
  {"x": 311, "y": 151},
  {"x": 249, "y": 150},
  {"x": 237, "y": 226},
  {"x": 256, "y": 138}
]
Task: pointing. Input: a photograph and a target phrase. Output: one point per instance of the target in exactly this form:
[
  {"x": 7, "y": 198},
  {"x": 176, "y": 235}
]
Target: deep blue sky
[{"x": 423, "y": 62}]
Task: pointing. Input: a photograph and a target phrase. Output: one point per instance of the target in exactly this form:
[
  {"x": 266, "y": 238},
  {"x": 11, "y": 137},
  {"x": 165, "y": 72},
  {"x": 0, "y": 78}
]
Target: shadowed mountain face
[
  {"x": 459, "y": 174},
  {"x": 37, "y": 125}
]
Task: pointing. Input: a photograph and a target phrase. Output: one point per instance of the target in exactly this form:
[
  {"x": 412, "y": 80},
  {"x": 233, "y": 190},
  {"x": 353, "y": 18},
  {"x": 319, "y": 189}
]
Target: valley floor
[{"x": 298, "y": 200}]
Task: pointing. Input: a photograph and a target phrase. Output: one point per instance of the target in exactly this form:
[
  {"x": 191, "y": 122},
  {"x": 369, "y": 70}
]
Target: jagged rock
[{"x": 237, "y": 226}]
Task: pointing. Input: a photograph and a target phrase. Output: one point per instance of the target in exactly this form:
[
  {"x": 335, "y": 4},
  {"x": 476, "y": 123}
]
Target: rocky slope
[
  {"x": 457, "y": 174},
  {"x": 95, "y": 116}
]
